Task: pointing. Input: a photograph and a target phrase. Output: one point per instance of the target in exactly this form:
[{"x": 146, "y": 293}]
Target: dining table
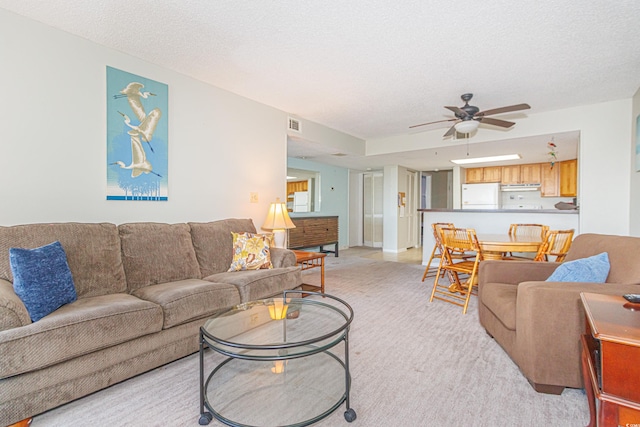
[{"x": 494, "y": 246}]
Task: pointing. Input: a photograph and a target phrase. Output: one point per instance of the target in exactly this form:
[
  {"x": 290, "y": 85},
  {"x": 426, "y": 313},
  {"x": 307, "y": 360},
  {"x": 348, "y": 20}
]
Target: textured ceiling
[{"x": 373, "y": 68}]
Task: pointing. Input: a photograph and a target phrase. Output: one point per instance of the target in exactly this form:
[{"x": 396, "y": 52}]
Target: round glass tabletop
[{"x": 279, "y": 328}]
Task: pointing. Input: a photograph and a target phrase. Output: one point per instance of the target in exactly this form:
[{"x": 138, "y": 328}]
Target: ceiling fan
[{"x": 469, "y": 117}]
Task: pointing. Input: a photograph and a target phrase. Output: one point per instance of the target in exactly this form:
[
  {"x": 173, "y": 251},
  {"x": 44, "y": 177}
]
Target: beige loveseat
[
  {"x": 539, "y": 323},
  {"x": 143, "y": 291}
]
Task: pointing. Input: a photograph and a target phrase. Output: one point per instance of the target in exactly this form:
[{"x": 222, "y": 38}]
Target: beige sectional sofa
[
  {"x": 143, "y": 290},
  {"x": 539, "y": 323}
]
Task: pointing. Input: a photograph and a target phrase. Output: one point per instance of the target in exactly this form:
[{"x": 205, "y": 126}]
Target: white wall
[
  {"x": 604, "y": 166},
  {"x": 634, "y": 219},
  {"x": 53, "y": 137},
  {"x": 390, "y": 210},
  {"x": 356, "y": 237}
]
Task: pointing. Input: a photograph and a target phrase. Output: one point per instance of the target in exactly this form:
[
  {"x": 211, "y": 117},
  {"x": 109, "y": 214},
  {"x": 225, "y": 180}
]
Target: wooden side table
[
  {"x": 308, "y": 260},
  {"x": 611, "y": 360}
]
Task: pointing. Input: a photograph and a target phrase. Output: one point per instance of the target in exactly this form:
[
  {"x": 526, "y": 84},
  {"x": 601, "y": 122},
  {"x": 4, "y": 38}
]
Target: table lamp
[
  {"x": 277, "y": 309},
  {"x": 278, "y": 221}
]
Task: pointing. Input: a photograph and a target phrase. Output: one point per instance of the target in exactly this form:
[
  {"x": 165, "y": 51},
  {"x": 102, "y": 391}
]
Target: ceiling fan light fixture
[{"x": 467, "y": 126}]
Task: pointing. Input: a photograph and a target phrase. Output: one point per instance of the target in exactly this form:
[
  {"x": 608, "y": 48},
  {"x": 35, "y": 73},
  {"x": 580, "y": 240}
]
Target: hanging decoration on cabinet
[
  {"x": 552, "y": 153},
  {"x": 137, "y": 137}
]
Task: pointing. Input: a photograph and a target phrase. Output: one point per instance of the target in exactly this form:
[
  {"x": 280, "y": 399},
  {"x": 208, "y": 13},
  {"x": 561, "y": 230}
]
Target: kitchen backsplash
[{"x": 530, "y": 200}]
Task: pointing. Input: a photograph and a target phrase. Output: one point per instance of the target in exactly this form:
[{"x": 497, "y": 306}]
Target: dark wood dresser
[
  {"x": 314, "y": 231},
  {"x": 611, "y": 359}
]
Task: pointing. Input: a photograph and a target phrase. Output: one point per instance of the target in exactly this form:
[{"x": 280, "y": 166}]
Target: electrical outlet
[{"x": 253, "y": 197}]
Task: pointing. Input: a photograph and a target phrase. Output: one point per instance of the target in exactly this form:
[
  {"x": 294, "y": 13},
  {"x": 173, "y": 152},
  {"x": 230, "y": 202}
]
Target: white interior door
[
  {"x": 410, "y": 210},
  {"x": 372, "y": 209}
]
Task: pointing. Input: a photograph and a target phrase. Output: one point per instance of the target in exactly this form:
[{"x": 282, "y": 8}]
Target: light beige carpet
[{"x": 413, "y": 363}]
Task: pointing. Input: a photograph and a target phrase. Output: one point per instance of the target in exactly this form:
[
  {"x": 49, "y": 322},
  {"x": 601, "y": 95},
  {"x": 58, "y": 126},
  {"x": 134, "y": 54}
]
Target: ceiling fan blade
[
  {"x": 459, "y": 111},
  {"x": 450, "y": 132},
  {"x": 501, "y": 110},
  {"x": 496, "y": 122},
  {"x": 430, "y": 123}
]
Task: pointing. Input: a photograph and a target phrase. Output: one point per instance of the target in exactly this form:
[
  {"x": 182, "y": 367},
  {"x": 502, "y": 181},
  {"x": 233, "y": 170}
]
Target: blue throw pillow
[
  {"x": 42, "y": 279},
  {"x": 594, "y": 269}
]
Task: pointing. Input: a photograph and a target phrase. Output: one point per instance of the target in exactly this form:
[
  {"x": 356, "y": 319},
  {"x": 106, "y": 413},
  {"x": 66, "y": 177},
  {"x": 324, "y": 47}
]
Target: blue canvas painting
[{"x": 137, "y": 137}]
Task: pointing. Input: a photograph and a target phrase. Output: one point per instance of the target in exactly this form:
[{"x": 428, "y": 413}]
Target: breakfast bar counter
[{"x": 494, "y": 221}]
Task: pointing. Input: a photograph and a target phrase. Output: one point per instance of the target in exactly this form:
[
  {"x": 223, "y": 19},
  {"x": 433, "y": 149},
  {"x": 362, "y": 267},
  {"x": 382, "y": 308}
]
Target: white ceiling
[
  {"x": 372, "y": 68},
  {"x": 532, "y": 149}
]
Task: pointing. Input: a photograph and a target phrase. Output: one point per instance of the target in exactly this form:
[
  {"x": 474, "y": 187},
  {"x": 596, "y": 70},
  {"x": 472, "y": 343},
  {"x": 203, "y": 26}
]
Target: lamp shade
[
  {"x": 278, "y": 217},
  {"x": 467, "y": 126}
]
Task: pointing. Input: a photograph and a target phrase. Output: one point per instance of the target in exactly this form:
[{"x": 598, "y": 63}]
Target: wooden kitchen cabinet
[
  {"x": 492, "y": 174},
  {"x": 569, "y": 178},
  {"x": 295, "y": 186},
  {"x": 510, "y": 174},
  {"x": 474, "y": 175},
  {"x": 521, "y": 174},
  {"x": 480, "y": 175},
  {"x": 530, "y": 173},
  {"x": 550, "y": 180}
]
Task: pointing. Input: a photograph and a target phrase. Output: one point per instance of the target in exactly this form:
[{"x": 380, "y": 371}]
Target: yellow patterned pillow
[{"x": 251, "y": 251}]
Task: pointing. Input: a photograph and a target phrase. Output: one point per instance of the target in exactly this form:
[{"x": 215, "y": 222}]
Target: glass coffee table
[{"x": 284, "y": 365}]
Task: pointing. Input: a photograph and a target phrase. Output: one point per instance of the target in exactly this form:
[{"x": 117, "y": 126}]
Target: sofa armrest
[
  {"x": 514, "y": 272},
  {"x": 13, "y": 313},
  {"x": 550, "y": 320},
  {"x": 281, "y": 257}
]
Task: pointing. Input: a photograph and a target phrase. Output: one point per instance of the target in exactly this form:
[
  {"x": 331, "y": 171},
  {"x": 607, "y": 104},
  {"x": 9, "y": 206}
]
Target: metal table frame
[{"x": 342, "y": 333}]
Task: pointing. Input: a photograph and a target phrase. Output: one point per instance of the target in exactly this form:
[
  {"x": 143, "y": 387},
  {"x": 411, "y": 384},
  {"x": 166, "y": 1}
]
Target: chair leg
[
  {"x": 435, "y": 282},
  {"x": 469, "y": 292},
  {"x": 426, "y": 270}
]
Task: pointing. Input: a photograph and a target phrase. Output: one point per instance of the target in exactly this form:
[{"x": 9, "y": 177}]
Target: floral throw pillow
[{"x": 251, "y": 251}]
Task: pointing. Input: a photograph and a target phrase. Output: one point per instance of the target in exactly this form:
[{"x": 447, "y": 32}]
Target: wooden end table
[
  {"x": 610, "y": 356},
  {"x": 308, "y": 260}
]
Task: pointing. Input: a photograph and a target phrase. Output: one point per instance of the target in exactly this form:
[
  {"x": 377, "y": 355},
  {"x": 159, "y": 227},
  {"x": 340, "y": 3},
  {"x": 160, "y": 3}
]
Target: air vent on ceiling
[{"x": 295, "y": 125}]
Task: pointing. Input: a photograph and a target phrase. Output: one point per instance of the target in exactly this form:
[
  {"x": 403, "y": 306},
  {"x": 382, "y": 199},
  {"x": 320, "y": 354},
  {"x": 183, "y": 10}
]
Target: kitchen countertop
[{"x": 534, "y": 211}]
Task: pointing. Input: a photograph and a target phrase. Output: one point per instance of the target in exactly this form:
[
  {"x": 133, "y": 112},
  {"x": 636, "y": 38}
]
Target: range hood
[{"x": 520, "y": 187}]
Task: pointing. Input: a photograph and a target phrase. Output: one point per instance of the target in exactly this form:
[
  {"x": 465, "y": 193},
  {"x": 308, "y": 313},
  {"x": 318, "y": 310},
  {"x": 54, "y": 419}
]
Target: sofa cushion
[
  {"x": 213, "y": 243},
  {"x": 625, "y": 269},
  {"x": 501, "y": 299},
  {"x": 93, "y": 253},
  {"x": 190, "y": 299},
  {"x": 155, "y": 253},
  {"x": 251, "y": 251},
  {"x": 593, "y": 269},
  {"x": 42, "y": 279},
  {"x": 84, "y": 326},
  {"x": 257, "y": 284},
  {"x": 13, "y": 313}
]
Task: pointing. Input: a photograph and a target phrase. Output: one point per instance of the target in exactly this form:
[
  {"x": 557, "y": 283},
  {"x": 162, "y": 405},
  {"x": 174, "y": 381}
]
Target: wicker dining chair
[
  {"x": 556, "y": 244},
  {"x": 464, "y": 271},
  {"x": 437, "y": 251},
  {"x": 525, "y": 230}
]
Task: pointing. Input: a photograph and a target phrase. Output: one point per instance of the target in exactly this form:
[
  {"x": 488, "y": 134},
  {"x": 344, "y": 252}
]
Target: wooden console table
[
  {"x": 314, "y": 231},
  {"x": 611, "y": 360}
]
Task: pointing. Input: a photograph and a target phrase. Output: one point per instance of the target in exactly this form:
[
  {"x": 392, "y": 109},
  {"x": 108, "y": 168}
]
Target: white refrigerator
[
  {"x": 301, "y": 202},
  {"x": 481, "y": 196}
]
